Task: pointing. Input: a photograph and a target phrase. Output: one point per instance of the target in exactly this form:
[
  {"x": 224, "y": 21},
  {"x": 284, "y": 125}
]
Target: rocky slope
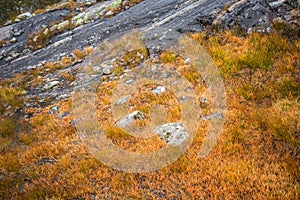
[
  {"x": 32, "y": 41},
  {"x": 98, "y": 23}
]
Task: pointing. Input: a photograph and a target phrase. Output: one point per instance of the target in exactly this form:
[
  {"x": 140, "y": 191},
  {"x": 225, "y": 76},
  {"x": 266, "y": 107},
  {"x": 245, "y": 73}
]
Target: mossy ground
[{"x": 257, "y": 154}]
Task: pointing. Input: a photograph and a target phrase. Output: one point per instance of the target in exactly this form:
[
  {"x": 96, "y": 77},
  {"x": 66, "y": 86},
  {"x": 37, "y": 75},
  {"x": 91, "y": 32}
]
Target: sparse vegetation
[{"x": 79, "y": 54}]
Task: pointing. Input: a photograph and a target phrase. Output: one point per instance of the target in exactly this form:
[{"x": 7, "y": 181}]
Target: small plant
[
  {"x": 79, "y": 54},
  {"x": 167, "y": 57},
  {"x": 116, "y": 5},
  {"x": 88, "y": 50},
  {"x": 118, "y": 70},
  {"x": 66, "y": 60}
]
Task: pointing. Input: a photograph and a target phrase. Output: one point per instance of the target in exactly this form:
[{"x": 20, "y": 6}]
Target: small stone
[
  {"x": 31, "y": 67},
  {"x": 203, "y": 100},
  {"x": 276, "y": 3},
  {"x": 14, "y": 54},
  {"x": 96, "y": 68},
  {"x": 51, "y": 85},
  {"x": 54, "y": 110},
  {"x": 23, "y": 16},
  {"x": 187, "y": 61},
  {"x": 62, "y": 115},
  {"x": 129, "y": 119},
  {"x": 212, "y": 116},
  {"x": 109, "y": 13},
  {"x": 173, "y": 133},
  {"x": 130, "y": 81},
  {"x": 159, "y": 89},
  {"x": 122, "y": 101},
  {"x": 17, "y": 32},
  {"x": 107, "y": 70},
  {"x": 45, "y": 161},
  {"x": 13, "y": 40},
  {"x": 184, "y": 99}
]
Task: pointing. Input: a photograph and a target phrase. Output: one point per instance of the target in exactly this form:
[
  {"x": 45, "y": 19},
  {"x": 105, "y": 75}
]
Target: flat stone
[
  {"x": 5, "y": 32},
  {"x": 24, "y": 16},
  {"x": 51, "y": 85},
  {"x": 173, "y": 133},
  {"x": 212, "y": 116},
  {"x": 108, "y": 69},
  {"x": 129, "y": 119},
  {"x": 276, "y": 3}
]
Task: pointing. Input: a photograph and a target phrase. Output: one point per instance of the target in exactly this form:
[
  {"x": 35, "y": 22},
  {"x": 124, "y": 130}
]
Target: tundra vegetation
[{"x": 257, "y": 154}]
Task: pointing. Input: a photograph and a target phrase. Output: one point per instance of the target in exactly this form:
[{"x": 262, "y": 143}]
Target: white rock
[
  {"x": 109, "y": 13},
  {"x": 173, "y": 133},
  {"x": 129, "y": 119},
  {"x": 159, "y": 89},
  {"x": 23, "y": 16},
  {"x": 51, "y": 85}
]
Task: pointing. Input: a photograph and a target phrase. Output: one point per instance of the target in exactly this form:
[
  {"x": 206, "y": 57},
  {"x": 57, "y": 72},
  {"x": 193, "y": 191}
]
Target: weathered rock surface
[
  {"x": 130, "y": 118},
  {"x": 173, "y": 133},
  {"x": 192, "y": 15}
]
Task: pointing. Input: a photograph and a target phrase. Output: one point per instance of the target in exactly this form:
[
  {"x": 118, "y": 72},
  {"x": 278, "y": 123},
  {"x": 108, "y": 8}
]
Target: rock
[
  {"x": 159, "y": 89},
  {"x": 62, "y": 115},
  {"x": 51, "y": 85},
  {"x": 129, "y": 119},
  {"x": 130, "y": 81},
  {"x": 31, "y": 67},
  {"x": 122, "y": 101},
  {"x": 86, "y": 2},
  {"x": 107, "y": 69},
  {"x": 213, "y": 116},
  {"x": 23, "y": 16},
  {"x": 187, "y": 61},
  {"x": 204, "y": 100},
  {"x": 173, "y": 133},
  {"x": 276, "y": 4},
  {"x": 54, "y": 110},
  {"x": 16, "y": 31},
  {"x": 184, "y": 98},
  {"x": 109, "y": 13},
  {"x": 5, "y": 32},
  {"x": 45, "y": 160},
  {"x": 13, "y": 40},
  {"x": 14, "y": 54}
]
